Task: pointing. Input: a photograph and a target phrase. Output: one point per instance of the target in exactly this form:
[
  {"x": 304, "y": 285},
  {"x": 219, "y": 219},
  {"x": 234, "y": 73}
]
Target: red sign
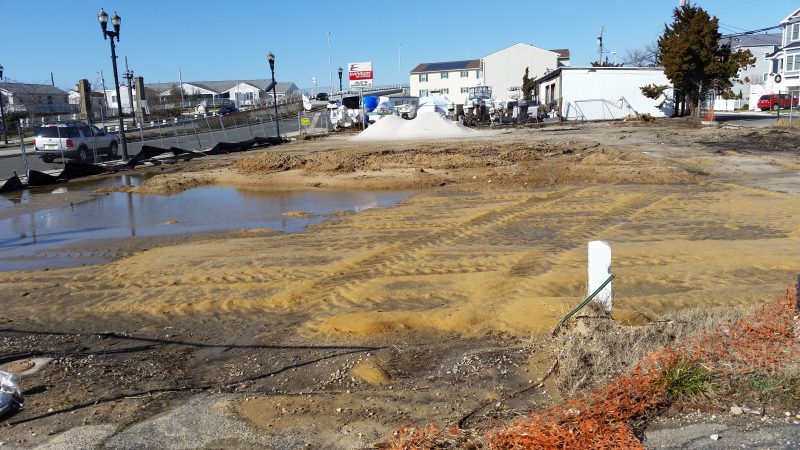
[{"x": 362, "y": 75}]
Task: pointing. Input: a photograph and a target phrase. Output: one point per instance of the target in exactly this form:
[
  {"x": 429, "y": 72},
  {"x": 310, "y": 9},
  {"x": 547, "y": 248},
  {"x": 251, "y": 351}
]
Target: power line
[
  {"x": 745, "y": 33},
  {"x": 737, "y": 33}
]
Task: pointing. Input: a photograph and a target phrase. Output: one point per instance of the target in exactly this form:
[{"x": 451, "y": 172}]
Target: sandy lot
[{"x": 418, "y": 312}]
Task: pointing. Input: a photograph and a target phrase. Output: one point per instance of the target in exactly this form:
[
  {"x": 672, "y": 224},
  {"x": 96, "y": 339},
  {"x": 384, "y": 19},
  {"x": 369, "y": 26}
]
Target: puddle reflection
[{"x": 119, "y": 215}]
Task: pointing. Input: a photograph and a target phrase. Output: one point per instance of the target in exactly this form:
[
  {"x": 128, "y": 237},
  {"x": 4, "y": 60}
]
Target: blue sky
[{"x": 214, "y": 40}]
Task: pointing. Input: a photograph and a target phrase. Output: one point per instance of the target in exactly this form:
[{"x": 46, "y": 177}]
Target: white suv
[{"x": 79, "y": 141}]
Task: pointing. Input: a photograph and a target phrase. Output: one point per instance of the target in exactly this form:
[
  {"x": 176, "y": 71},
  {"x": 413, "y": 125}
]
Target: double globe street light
[
  {"x": 115, "y": 21},
  {"x": 129, "y": 76},
  {"x": 341, "y": 93}
]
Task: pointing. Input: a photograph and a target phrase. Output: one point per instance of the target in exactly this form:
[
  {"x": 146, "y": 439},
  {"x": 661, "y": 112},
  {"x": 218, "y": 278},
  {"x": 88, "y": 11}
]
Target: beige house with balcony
[{"x": 501, "y": 70}]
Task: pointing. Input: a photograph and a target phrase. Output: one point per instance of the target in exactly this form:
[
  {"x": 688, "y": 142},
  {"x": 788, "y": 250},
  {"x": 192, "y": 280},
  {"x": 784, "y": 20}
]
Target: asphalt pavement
[
  {"x": 751, "y": 119},
  {"x": 183, "y": 137}
]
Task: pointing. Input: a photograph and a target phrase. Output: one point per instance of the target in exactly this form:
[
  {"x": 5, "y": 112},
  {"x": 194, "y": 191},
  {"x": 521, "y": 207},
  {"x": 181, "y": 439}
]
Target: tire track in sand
[{"x": 330, "y": 292}]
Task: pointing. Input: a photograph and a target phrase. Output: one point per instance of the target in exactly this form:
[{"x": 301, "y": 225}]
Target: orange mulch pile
[{"x": 765, "y": 342}]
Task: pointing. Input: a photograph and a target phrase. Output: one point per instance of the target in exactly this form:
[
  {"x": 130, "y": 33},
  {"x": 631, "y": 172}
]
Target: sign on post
[
  {"x": 599, "y": 271},
  {"x": 360, "y": 74},
  {"x": 305, "y": 121}
]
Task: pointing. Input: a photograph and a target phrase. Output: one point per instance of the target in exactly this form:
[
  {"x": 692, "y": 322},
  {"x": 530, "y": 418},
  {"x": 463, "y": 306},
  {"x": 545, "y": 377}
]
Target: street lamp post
[
  {"x": 129, "y": 77},
  {"x": 271, "y": 59},
  {"x": 115, "y": 21},
  {"x": 341, "y": 92},
  {"x": 2, "y": 111}
]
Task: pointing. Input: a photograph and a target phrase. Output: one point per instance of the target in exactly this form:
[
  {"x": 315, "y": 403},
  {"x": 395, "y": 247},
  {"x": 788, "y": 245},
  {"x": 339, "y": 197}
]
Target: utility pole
[
  {"x": 600, "y": 45},
  {"x": 105, "y": 99},
  {"x": 180, "y": 78}
]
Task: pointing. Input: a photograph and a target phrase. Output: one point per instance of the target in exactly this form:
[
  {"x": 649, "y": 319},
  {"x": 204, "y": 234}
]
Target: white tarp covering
[{"x": 427, "y": 125}]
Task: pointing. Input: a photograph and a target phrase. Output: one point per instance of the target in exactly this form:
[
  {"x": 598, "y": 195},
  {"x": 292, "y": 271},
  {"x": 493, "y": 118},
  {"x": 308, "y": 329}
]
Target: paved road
[
  {"x": 750, "y": 119},
  {"x": 186, "y": 138}
]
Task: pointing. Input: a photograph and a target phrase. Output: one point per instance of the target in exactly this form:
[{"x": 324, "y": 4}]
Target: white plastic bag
[{"x": 10, "y": 393}]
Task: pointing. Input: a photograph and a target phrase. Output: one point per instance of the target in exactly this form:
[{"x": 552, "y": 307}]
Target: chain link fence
[{"x": 189, "y": 132}]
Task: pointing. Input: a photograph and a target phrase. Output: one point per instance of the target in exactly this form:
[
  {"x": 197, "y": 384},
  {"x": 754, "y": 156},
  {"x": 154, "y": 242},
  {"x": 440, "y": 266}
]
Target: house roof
[
  {"x": 781, "y": 50},
  {"x": 755, "y": 40},
  {"x": 526, "y": 45},
  {"x": 223, "y": 85},
  {"x": 562, "y": 52},
  {"x": 29, "y": 88},
  {"x": 791, "y": 16},
  {"x": 447, "y": 66},
  {"x": 556, "y": 73}
]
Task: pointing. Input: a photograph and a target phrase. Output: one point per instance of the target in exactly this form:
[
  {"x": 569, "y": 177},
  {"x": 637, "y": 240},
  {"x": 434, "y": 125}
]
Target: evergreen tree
[
  {"x": 527, "y": 85},
  {"x": 605, "y": 63},
  {"x": 694, "y": 59}
]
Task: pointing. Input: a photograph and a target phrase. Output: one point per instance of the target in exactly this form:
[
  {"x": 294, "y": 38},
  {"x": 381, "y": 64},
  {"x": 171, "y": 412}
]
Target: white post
[{"x": 599, "y": 271}]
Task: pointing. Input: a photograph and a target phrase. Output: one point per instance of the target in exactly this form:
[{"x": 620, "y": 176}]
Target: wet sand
[{"x": 418, "y": 311}]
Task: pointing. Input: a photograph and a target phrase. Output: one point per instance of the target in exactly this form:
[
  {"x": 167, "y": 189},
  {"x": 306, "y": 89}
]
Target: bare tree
[{"x": 646, "y": 56}]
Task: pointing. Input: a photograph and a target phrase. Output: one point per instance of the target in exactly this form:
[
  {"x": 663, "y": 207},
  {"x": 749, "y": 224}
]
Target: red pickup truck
[{"x": 767, "y": 102}]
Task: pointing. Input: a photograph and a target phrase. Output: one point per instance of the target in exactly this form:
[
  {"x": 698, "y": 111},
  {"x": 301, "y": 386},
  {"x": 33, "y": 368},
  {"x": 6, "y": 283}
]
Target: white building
[
  {"x": 450, "y": 78},
  {"x": 502, "y": 71},
  {"x": 604, "y": 93},
  {"x": 787, "y": 57},
  {"x": 113, "y": 103}
]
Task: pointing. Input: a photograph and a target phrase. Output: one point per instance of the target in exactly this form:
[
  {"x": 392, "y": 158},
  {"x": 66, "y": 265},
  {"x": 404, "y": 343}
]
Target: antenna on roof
[{"x": 600, "y": 44}]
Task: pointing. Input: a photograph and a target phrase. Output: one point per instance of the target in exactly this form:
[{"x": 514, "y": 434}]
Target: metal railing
[{"x": 370, "y": 89}]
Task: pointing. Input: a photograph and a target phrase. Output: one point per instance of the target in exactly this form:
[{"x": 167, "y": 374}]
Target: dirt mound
[
  {"x": 172, "y": 183},
  {"x": 442, "y": 156},
  {"x": 268, "y": 162},
  {"x": 755, "y": 141}
]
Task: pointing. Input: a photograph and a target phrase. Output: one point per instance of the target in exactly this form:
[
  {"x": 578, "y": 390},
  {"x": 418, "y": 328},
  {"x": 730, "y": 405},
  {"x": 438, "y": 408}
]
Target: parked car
[
  {"x": 322, "y": 97},
  {"x": 77, "y": 141},
  {"x": 225, "y": 110},
  {"x": 767, "y": 102}
]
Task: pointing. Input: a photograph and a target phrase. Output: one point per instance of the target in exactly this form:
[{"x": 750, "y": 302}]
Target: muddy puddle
[{"x": 33, "y": 240}]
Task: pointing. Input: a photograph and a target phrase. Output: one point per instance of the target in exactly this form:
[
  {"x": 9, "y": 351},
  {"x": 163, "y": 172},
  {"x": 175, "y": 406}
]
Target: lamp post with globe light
[
  {"x": 271, "y": 59},
  {"x": 341, "y": 92},
  {"x": 115, "y": 21}
]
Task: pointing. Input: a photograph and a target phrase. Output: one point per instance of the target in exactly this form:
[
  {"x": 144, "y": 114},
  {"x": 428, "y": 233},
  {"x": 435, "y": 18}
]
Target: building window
[
  {"x": 49, "y": 99},
  {"x": 445, "y": 90},
  {"x": 113, "y": 99},
  {"x": 765, "y": 76},
  {"x": 423, "y": 77},
  {"x": 796, "y": 32},
  {"x": 423, "y": 92},
  {"x": 793, "y": 63},
  {"x": 445, "y": 75},
  {"x": 464, "y": 73},
  {"x": 477, "y": 74},
  {"x": 464, "y": 90}
]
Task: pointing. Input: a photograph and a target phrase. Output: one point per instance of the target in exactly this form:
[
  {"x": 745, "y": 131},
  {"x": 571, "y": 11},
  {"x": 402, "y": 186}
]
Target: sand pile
[{"x": 427, "y": 125}]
